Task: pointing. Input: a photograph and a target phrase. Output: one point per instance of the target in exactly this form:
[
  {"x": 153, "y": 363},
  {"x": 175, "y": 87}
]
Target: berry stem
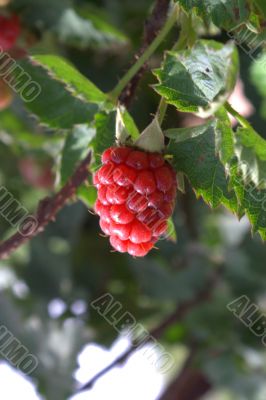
[
  {"x": 145, "y": 56},
  {"x": 237, "y": 116},
  {"x": 161, "y": 110}
]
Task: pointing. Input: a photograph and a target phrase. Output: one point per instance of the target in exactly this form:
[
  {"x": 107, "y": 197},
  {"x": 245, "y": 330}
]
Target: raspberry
[
  {"x": 122, "y": 231},
  {"x": 140, "y": 233},
  {"x": 136, "y": 202},
  {"x": 145, "y": 183},
  {"x": 118, "y": 244},
  {"x": 116, "y": 195},
  {"x": 124, "y": 176},
  {"x": 10, "y": 30},
  {"x": 155, "y": 160},
  {"x": 136, "y": 196},
  {"x": 121, "y": 214},
  {"x": 156, "y": 199},
  {"x": 138, "y": 160},
  {"x": 119, "y": 154},
  {"x": 164, "y": 178}
]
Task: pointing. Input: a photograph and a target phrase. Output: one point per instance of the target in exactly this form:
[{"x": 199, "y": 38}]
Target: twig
[
  {"x": 47, "y": 209},
  {"x": 156, "y": 333},
  {"x": 151, "y": 29},
  {"x": 190, "y": 383}
]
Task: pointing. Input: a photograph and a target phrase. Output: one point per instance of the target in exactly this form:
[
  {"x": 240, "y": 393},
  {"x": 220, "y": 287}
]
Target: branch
[
  {"x": 156, "y": 333},
  {"x": 47, "y": 209},
  {"x": 190, "y": 384},
  {"x": 152, "y": 26}
]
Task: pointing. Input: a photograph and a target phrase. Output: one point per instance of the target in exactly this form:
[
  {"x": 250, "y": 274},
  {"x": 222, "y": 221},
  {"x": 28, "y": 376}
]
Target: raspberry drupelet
[{"x": 136, "y": 196}]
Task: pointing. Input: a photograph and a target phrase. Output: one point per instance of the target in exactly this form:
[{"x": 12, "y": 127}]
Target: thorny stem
[
  {"x": 152, "y": 26},
  {"x": 145, "y": 56},
  {"x": 47, "y": 209}
]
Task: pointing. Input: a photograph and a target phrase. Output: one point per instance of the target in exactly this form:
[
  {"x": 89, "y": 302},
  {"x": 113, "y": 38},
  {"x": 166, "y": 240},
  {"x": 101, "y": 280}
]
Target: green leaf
[
  {"x": 250, "y": 149},
  {"x": 105, "y": 133},
  {"x": 196, "y": 154},
  {"x": 88, "y": 30},
  {"x": 261, "y": 5},
  {"x": 75, "y": 149},
  {"x": 75, "y": 82},
  {"x": 252, "y": 200},
  {"x": 200, "y": 79},
  {"x": 223, "y": 13},
  {"x": 244, "y": 170},
  {"x": 66, "y": 97},
  {"x": 125, "y": 126},
  {"x": 171, "y": 231},
  {"x": 224, "y": 138},
  {"x": 258, "y": 78},
  {"x": 87, "y": 194},
  {"x": 130, "y": 125}
]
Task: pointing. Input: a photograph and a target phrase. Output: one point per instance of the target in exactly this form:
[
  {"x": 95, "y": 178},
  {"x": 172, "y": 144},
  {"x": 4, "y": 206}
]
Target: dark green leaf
[
  {"x": 200, "y": 79},
  {"x": 196, "y": 153},
  {"x": 258, "y": 77},
  {"x": 86, "y": 31},
  {"x": 223, "y": 13},
  {"x": 246, "y": 171},
  {"x": 252, "y": 200},
  {"x": 250, "y": 149},
  {"x": 105, "y": 133},
  {"x": 88, "y": 194},
  {"x": 74, "y": 81},
  {"x": 75, "y": 149},
  {"x": 66, "y": 97}
]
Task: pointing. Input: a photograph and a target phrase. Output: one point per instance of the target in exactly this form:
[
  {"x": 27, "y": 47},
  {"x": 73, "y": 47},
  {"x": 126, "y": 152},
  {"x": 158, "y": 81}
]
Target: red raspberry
[
  {"x": 136, "y": 196},
  {"x": 124, "y": 176},
  {"x": 164, "y": 178},
  {"x": 116, "y": 195},
  {"x": 136, "y": 202},
  {"x": 120, "y": 230},
  {"x": 138, "y": 160},
  {"x": 10, "y": 30},
  {"x": 145, "y": 183}
]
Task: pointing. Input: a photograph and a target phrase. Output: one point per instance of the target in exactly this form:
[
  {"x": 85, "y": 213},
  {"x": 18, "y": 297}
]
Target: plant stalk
[
  {"x": 114, "y": 94},
  {"x": 237, "y": 116}
]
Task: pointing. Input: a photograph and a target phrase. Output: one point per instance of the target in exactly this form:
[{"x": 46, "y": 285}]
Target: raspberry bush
[{"x": 136, "y": 196}]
